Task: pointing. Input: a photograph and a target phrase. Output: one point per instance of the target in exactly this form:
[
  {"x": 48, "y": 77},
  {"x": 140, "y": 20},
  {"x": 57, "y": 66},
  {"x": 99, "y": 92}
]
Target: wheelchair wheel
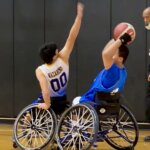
[
  {"x": 77, "y": 128},
  {"x": 122, "y": 130},
  {"x": 34, "y": 128}
]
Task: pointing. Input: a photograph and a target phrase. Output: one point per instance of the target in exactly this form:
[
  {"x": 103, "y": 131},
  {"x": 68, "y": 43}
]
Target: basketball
[{"x": 122, "y": 28}]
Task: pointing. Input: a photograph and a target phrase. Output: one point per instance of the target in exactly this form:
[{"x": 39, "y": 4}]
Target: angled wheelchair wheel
[
  {"x": 77, "y": 128},
  {"x": 122, "y": 129},
  {"x": 34, "y": 128}
]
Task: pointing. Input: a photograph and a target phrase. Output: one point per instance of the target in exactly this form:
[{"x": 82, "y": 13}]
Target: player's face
[{"x": 146, "y": 18}]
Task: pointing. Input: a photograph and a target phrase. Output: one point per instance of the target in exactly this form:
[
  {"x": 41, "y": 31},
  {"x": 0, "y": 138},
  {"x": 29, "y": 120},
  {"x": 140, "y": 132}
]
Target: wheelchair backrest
[{"x": 108, "y": 103}]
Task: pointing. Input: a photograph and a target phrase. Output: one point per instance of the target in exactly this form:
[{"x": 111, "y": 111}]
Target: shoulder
[
  {"x": 114, "y": 69},
  {"x": 62, "y": 58},
  {"x": 113, "y": 66},
  {"x": 38, "y": 71},
  {"x": 63, "y": 55}
]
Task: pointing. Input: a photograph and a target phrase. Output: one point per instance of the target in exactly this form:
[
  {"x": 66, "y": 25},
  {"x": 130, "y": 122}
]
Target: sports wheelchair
[
  {"x": 34, "y": 128},
  {"x": 84, "y": 124}
]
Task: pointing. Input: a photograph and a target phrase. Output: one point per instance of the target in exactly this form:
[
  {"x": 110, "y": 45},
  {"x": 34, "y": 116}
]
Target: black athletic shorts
[{"x": 59, "y": 104}]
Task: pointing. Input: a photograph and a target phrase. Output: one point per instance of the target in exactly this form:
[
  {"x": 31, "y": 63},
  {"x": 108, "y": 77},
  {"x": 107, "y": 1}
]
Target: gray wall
[{"x": 26, "y": 24}]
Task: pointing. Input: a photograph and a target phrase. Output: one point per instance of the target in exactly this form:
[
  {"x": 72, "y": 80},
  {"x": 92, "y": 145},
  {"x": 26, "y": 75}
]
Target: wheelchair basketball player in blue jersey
[
  {"x": 111, "y": 79},
  {"x": 97, "y": 114}
]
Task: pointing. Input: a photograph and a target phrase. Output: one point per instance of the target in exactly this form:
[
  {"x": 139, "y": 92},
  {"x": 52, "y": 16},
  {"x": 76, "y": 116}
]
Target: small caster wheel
[{"x": 15, "y": 145}]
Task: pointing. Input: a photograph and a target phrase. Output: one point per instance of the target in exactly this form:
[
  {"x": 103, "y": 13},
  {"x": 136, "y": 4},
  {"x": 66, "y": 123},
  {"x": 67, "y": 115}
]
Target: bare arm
[
  {"x": 44, "y": 88},
  {"x": 113, "y": 46},
  {"x": 109, "y": 51},
  {"x": 66, "y": 51}
]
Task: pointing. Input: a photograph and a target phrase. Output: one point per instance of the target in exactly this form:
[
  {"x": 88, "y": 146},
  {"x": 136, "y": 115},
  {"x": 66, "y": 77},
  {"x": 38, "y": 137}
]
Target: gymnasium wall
[{"x": 26, "y": 24}]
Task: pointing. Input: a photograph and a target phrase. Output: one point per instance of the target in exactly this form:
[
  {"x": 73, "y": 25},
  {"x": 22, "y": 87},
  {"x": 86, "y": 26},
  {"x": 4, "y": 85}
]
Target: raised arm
[
  {"x": 112, "y": 47},
  {"x": 108, "y": 52},
  {"x": 66, "y": 51}
]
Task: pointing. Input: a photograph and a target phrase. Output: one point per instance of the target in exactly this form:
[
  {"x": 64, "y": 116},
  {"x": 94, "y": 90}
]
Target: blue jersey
[{"x": 108, "y": 80}]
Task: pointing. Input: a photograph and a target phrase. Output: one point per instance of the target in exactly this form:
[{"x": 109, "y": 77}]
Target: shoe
[{"x": 147, "y": 139}]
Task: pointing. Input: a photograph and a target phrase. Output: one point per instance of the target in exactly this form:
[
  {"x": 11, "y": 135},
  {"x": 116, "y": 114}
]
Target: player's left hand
[
  {"x": 80, "y": 8},
  {"x": 43, "y": 106}
]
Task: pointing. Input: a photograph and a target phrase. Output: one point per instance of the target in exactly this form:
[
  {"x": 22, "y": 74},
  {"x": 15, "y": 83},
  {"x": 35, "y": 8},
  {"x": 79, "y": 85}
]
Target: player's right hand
[{"x": 125, "y": 38}]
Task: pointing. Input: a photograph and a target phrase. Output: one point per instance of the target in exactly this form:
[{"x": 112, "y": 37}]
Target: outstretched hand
[{"x": 80, "y": 8}]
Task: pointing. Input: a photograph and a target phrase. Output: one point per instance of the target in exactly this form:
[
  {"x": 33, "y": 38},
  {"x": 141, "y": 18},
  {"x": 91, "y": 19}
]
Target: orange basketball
[{"x": 122, "y": 28}]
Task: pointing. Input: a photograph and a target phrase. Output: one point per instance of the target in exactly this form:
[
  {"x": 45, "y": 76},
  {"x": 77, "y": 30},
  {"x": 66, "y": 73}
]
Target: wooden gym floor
[{"x": 6, "y": 142}]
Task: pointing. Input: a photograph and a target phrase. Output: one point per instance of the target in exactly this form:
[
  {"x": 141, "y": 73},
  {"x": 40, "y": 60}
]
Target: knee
[{"x": 76, "y": 100}]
